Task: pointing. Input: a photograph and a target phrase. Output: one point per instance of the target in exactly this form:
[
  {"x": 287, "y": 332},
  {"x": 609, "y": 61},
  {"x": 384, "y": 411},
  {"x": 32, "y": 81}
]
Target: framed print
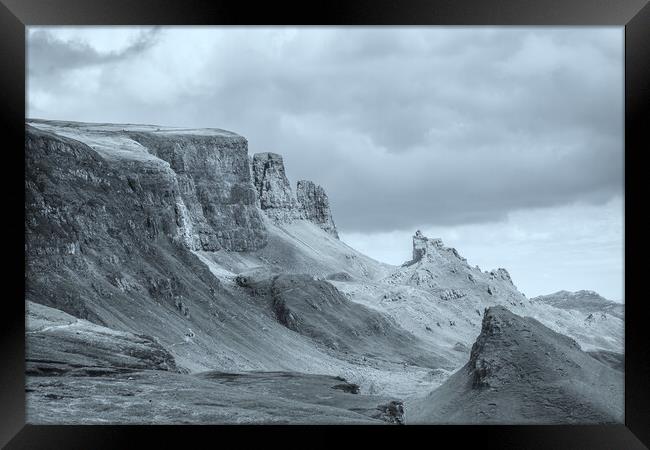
[{"x": 298, "y": 223}]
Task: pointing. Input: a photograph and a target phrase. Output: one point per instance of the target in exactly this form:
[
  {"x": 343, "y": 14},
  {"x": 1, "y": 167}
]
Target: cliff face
[
  {"x": 104, "y": 231},
  {"x": 277, "y": 200},
  {"x": 273, "y": 189},
  {"x": 107, "y": 241},
  {"x": 316, "y": 206},
  {"x": 113, "y": 216},
  {"x": 216, "y": 205}
]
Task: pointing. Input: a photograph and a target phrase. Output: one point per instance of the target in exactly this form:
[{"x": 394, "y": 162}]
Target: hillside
[
  {"x": 172, "y": 253},
  {"x": 587, "y": 302},
  {"x": 519, "y": 372}
]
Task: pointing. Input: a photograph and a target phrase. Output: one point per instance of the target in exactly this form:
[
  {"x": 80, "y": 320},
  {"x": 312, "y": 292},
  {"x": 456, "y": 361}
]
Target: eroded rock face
[
  {"x": 274, "y": 192},
  {"x": 316, "y": 206},
  {"x": 277, "y": 200},
  {"x": 423, "y": 246},
  {"x": 103, "y": 225},
  {"x": 216, "y": 203}
]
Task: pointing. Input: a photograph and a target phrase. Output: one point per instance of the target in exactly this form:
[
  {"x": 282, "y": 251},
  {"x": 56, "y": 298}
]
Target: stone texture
[
  {"x": 315, "y": 205},
  {"x": 273, "y": 189},
  {"x": 277, "y": 200},
  {"x": 216, "y": 205},
  {"x": 102, "y": 236},
  {"x": 423, "y": 246}
]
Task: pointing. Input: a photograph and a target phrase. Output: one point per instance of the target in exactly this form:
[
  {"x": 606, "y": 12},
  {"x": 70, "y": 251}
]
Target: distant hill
[{"x": 583, "y": 301}]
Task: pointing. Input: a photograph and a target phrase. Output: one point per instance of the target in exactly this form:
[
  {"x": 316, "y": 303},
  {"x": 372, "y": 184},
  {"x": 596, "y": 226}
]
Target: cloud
[
  {"x": 404, "y": 127},
  {"x": 49, "y": 54}
]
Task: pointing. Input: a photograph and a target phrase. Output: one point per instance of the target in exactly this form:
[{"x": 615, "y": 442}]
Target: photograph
[{"x": 325, "y": 225}]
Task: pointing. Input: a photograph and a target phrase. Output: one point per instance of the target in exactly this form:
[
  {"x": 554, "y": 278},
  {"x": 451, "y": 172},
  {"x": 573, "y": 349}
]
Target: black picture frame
[{"x": 634, "y": 15}]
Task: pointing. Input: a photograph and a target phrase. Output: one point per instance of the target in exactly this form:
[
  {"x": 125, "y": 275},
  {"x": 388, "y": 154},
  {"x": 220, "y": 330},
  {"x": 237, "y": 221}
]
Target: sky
[{"x": 505, "y": 142}]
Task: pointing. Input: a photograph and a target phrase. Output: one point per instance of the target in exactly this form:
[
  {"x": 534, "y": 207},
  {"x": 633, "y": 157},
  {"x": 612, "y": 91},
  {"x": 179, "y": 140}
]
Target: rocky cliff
[
  {"x": 115, "y": 217},
  {"x": 278, "y": 201},
  {"x": 195, "y": 183},
  {"x": 441, "y": 269},
  {"x": 273, "y": 189},
  {"x": 104, "y": 237},
  {"x": 216, "y": 202},
  {"x": 423, "y": 247},
  {"x": 316, "y": 206}
]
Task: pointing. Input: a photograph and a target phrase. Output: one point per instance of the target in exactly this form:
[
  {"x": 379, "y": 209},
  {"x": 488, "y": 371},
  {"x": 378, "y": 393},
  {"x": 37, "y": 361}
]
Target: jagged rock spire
[
  {"x": 315, "y": 205},
  {"x": 422, "y": 246},
  {"x": 277, "y": 200},
  {"x": 274, "y": 192}
]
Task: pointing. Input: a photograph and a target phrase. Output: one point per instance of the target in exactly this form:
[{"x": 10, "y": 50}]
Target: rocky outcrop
[
  {"x": 423, "y": 246},
  {"x": 277, "y": 200},
  {"x": 427, "y": 249},
  {"x": 340, "y": 276},
  {"x": 103, "y": 233},
  {"x": 193, "y": 185},
  {"x": 216, "y": 203},
  {"x": 315, "y": 206},
  {"x": 452, "y": 294},
  {"x": 273, "y": 189},
  {"x": 501, "y": 274},
  {"x": 520, "y": 371},
  {"x": 392, "y": 412}
]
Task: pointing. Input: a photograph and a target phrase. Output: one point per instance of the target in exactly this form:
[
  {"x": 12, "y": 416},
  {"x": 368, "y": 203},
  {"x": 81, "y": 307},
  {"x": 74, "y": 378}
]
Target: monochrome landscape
[{"x": 174, "y": 276}]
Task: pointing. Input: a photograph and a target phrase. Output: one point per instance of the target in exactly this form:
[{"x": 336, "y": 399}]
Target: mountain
[
  {"x": 520, "y": 371},
  {"x": 168, "y": 254},
  {"x": 440, "y": 298},
  {"x": 587, "y": 302},
  {"x": 109, "y": 241}
]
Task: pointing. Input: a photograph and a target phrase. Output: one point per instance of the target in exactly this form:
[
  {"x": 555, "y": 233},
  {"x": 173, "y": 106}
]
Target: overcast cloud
[{"x": 438, "y": 128}]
